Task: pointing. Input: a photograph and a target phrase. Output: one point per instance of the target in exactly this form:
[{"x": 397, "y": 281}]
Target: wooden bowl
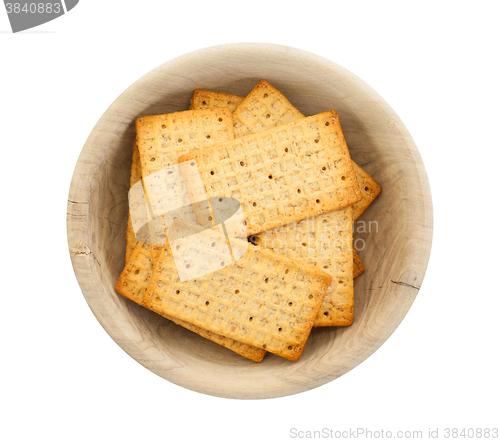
[{"x": 396, "y": 250}]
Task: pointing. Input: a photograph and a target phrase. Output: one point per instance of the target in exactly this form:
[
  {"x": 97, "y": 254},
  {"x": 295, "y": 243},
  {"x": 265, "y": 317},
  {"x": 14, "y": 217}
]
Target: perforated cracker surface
[
  {"x": 162, "y": 139},
  {"x": 263, "y": 108},
  {"x": 263, "y": 299},
  {"x": 284, "y": 174},
  {"x": 204, "y": 99},
  {"x": 324, "y": 242}
]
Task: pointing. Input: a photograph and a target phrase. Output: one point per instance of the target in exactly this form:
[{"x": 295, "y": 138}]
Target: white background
[{"x": 436, "y": 63}]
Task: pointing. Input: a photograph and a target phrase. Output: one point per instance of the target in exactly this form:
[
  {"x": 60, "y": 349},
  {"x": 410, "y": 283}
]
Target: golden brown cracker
[
  {"x": 263, "y": 299},
  {"x": 282, "y": 175}
]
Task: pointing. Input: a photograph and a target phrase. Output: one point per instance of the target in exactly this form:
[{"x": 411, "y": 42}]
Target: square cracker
[
  {"x": 204, "y": 99},
  {"x": 133, "y": 283},
  {"x": 282, "y": 175},
  {"x": 263, "y": 299},
  {"x": 324, "y": 242}
]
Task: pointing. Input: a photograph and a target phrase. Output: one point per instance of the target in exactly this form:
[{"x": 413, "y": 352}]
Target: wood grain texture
[{"x": 396, "y": 250}]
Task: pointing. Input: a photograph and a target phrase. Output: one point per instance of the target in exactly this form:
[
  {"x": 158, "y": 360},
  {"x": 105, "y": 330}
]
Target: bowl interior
[{"x": 393, "y": 236}]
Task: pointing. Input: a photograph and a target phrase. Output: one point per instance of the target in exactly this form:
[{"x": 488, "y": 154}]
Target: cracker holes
[
  {"x": 220, "y": 199},
  {"x": 342, "y": 178},
  {"x": 222, "y": 263},
  {"x": 298, "y": 190},
  {"x": 289, "y": 347},
  {"x": 290, "y": 303},
  {"x": 266, "y": 280},
  {"x": 366, "y": 189},
  {"x": 210, "y": 218},
  {"x": 220, "y": 120},
  {"x": 153, "y": 159},
  {"x": 212, "y": 172},
  {"x": 286, "y": 149},
  {"x": 177, "y": 291},
  {"x": 209, "y": 136},
  {"x": 327, "y": 123},
  {"x": 254, "y": 204},
  {"x": 242, "y": 163},
  {"x": 286, "y": 271},
  {"x": 188, "y": 265},
  {"x": 192, "y": 164},
  {"x": 250, "y": 318},
  {"x": 213, "y": 244},
  {"x": 325, "y": 267},
  {"x": 326, "y": 313},
  {"x": 236, "y": 291},
  {"x": 207, "y": 303},
  {"x": 316, "y": 140},
  {"x": 270, "y": 177},
  {"x": 318, "y": 201},
  {"x": 323, "y": 168},
  {"x": 280, "y": 329},
  {"x": 163, "y": 126},
  {"x": 179, "y": 140},
  {"x": 204, "y": 103},
  {"x": 265, "y": 95},
  {"x": 310, "y": 296},
  {"x": 137, "y": 271},
  {"x": 268, "y": 116}
]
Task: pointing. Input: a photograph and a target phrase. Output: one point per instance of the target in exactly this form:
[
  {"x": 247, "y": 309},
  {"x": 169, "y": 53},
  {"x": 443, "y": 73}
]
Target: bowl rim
[{"x": 86, "y": 266}]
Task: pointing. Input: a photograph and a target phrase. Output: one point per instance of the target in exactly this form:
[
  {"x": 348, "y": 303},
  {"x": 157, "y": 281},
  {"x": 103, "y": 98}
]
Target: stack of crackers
[{"x": 300, "y": 193}]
